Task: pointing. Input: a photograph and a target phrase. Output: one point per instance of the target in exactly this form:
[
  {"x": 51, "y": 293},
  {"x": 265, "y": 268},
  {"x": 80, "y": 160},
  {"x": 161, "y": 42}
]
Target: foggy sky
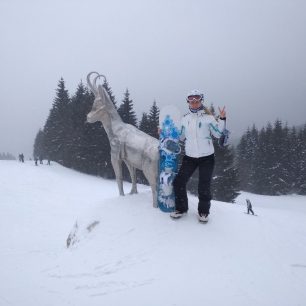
[{"x": 247, "y": 55}]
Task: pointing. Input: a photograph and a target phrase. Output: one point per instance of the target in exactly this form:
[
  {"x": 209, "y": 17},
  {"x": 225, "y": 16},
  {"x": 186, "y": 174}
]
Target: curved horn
[
  {"x": 103, "y": 76},
  {"x": 94, "y": 90},
  {"x": 95, "y": 82},
  {"x": 96, "y": 78}
]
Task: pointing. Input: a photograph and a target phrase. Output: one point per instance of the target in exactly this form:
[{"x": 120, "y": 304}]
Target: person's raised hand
[{"x": 222, "y": 112}]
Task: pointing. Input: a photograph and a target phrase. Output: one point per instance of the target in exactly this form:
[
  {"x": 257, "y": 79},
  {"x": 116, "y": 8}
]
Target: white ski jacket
[{"x": 197, "y": 130}]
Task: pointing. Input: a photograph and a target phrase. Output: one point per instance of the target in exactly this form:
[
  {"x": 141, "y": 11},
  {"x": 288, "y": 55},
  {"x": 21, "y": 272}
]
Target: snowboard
[
  {"x": 251, "y": 214},
  {"x": 169, "y": 150}
]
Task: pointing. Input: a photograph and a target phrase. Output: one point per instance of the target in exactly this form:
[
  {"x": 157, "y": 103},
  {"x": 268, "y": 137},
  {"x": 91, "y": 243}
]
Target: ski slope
[{"x": 126, "y": 252}]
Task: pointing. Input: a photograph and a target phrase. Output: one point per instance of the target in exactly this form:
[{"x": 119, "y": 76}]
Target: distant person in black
[
  {"x": 36, "y": 160},
  {"x": 21, "y": 157},
  {"x": 249, "y": 207}
]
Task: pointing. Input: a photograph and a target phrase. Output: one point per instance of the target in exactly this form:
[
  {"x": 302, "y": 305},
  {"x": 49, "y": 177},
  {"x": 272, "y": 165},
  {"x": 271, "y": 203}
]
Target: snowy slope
[{"x": 134, "y": 254}]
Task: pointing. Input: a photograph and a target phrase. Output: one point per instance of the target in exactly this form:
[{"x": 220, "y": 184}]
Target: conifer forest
[{"x": 270, "y": 160}]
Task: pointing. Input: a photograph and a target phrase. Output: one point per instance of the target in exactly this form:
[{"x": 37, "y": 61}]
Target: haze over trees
[
  {"x": 7, "y": 156},
  {"x": 269, "y": 161}
]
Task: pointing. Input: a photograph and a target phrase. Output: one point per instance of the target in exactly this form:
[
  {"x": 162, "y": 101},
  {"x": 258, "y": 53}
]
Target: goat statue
[{"x": 135, "y": 148}]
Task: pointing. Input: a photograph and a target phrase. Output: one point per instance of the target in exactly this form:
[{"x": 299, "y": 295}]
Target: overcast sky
[{"x": 247, "y": 55}]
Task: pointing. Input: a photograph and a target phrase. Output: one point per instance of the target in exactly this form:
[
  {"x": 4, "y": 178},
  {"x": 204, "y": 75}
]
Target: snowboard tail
[{"x": 251, "y": 214}]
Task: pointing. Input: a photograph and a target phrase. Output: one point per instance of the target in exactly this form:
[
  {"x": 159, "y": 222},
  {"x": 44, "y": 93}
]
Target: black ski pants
[
  {"x": 250, "y": 210},
  {"x": 189, "y": 165}
]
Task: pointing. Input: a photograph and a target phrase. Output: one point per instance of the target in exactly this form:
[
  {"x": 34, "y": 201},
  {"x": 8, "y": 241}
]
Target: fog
[{"x": 247, "y": 55}]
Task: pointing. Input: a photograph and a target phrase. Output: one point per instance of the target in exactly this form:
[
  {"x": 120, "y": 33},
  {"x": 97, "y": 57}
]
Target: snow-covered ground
[{"x": 128, "y": 253}]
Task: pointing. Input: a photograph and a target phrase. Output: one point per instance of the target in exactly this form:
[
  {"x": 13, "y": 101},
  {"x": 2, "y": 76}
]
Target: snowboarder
[
  {"x": 249, "y": 207},
  {"x": 197, "y": 126}
]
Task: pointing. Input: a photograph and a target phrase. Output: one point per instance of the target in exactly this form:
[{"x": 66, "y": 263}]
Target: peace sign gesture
[{"x": 222, "y": 112}]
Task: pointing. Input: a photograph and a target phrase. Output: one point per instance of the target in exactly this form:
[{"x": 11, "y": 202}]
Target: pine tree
[
  {"x": 58, "y": 127},
  {"x": 225, "y": 183},
  {"x": 93, "y": 155},
  {"x": 126, "y": 110},
  {"x": 301, "y": 162},
  {"x": 144, "y": 124},
  {"x": 242, "y": 161},
  {"x": 280, "y": 167},
  {"x": 252, "y": 147},
  {"x": 39, "y": 145},
  {"x": 153, "y": 118},
  {"x": 110, "y": 92},
  {"x": 293, "y": 158},
  {"x": 78, "y": 110},
  {"x": 263, "y": 178},
  {"x": 246, "y": 158}
]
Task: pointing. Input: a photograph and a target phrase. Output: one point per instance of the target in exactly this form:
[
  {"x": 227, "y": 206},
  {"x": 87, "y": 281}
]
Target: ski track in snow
[{"x": 126, "y": 252}]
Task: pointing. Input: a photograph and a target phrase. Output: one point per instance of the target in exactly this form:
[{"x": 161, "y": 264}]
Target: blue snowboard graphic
[{"x": 169, "y": 150}]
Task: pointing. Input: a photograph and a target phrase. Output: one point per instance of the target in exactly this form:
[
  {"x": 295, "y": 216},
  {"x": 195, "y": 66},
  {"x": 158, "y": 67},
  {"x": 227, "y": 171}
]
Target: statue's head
[{"x": 101, "y": 101}]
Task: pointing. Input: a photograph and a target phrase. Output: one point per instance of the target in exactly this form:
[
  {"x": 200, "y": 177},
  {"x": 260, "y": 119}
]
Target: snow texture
[{"x": 125, "y": 252}]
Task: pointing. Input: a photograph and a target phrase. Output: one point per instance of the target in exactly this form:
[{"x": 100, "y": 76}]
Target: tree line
[
  {"x": 67, "y": 139},
  {"x": 7, "y": 156},
  {"x": 272, "y": 161}
]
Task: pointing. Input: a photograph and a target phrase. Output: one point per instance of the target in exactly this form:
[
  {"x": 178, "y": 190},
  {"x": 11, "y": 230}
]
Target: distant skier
[
  {"x": 249, "y": 207},
  {"x": 21, "y": 157},
  {"x": 36, "y": 160}
]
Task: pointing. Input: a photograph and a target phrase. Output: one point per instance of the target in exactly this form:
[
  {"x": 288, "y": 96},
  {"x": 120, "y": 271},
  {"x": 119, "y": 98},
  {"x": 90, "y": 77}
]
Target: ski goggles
[{"x": 194, "y": 99}]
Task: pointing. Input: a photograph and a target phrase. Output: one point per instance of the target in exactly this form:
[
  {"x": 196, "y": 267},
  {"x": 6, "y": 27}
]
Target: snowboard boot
[
  {"x": 203, "y": 218},
  {"x": 177, "y": 214}
]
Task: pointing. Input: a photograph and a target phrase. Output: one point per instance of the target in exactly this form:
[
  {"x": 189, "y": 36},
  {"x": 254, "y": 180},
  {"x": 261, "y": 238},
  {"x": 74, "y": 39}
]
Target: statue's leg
[
  {"x": 132, "y": 171},
  {"x": 150, "y": 172},
  {"x": 117, "y": 166},
  {"x": 154, "y": 193}
]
